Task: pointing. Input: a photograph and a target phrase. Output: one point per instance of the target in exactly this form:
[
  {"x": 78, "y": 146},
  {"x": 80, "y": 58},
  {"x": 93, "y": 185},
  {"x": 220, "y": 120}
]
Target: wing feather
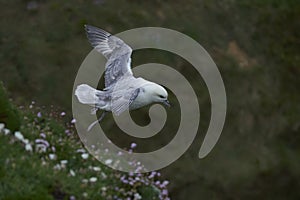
[
  {"x": 125, "y": 92},
  {"x": 115, "y": 50}
]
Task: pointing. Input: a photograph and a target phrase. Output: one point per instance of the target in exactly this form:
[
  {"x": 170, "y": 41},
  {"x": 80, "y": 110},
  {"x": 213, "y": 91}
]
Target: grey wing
[
  {"x": 105, "y": 43},
  {"x": 117, "y": 68},
  {"x": 134, "y": 95},
  {"x": 125, "y": 92},
  {"x": 114, "y": 49},
  {"x": 121, "y": 102}
]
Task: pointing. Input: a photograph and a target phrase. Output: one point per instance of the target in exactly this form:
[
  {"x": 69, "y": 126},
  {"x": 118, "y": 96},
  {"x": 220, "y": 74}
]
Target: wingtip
[
  {"x": 86, "y": 26},
  {"x": 90, "y": 28}
]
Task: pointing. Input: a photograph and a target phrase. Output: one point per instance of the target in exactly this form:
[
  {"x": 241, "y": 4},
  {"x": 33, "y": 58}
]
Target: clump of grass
[{"x": 8, "y": 113}]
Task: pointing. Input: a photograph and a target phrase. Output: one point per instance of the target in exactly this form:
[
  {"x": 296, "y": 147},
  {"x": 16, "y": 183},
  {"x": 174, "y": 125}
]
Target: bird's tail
[{"x": 87, "y": 95}]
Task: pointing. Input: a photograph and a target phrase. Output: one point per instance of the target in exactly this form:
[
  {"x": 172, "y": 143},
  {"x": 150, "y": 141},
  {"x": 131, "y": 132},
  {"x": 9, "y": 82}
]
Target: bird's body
[{"x": 122, "y": 90}]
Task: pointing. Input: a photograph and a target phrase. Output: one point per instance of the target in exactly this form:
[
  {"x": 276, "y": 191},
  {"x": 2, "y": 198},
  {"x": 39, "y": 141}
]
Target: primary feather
[{"x": 116, "y": 51}]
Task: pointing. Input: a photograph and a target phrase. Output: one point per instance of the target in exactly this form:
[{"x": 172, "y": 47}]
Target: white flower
[
  {"x": 84, "y": 194},
  {"x": 84, "y": 156},
  {"x": 108, "y": 161},
  {"x": 84, "y": 180},
  {"x": 137, "y": 196},
  {"x": 96, "y": 169},
  {"x": 57, "y": 167},
  {"x": 19, "y": 135},
  {"x": 28, "y": 147},
  {"x": 93, "y": 179},
  {"x": 73, "y": 121},
  {"x": 44, "y": 162},
  {"x": 25, "y": 141},
  {"x": 63, "y": 162},
  {"x": 72, "y": 172},
  {"x": 52, "y": 156},
  {"x": 40, "y": 148},
  {"x": 103, "y": 175},
  {"x": 62, "y": 114},
  {"x": 2, "y": 126},
  {"x": 80, "y": 151},
  {"x": 6, "y": 131}
]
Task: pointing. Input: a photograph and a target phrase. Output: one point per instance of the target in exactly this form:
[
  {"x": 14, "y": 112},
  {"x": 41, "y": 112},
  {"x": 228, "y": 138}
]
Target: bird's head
[{"x": 157, "y": 94}]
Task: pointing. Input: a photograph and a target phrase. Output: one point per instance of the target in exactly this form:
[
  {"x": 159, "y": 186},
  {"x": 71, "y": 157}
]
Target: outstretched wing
[{"x": 116, "y": 51}]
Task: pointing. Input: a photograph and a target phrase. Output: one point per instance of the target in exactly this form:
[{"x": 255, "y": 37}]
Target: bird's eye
[{"x": 161, "y": 96}]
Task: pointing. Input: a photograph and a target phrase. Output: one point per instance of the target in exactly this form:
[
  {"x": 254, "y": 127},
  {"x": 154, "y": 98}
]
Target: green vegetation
[
  {"x": 45, "y": 159},
  {"x": 255, "y": 45}
]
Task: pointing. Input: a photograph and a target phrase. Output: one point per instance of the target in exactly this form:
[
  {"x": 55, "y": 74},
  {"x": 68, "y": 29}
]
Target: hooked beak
[{"x": 167, "y": 103}]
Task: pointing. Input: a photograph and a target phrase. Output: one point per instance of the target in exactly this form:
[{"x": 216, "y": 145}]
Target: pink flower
[
  {"x": 43, "y": 135},
  {"x": 133, "y": 145},
  {"x": 44, "y": 142},
  {"x": 39, "y": 115},
  {"x": 165, "y": 192},
  {"x": 165, "y": 183}
]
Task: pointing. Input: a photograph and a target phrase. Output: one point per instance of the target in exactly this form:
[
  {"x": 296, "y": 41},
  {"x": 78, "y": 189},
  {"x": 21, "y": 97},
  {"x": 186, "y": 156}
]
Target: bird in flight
[{"x": 122, "y": 90}]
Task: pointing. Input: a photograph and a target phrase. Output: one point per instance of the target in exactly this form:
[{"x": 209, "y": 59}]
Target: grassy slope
[{"x": 33, "y": 175}]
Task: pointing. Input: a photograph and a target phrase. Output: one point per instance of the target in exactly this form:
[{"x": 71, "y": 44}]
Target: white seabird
[{"x": 122, "y": 90}]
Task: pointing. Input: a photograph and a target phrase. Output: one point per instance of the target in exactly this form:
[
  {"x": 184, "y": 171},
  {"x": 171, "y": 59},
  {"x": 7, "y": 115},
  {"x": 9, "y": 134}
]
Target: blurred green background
[{"x": 254, "y": 43}]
